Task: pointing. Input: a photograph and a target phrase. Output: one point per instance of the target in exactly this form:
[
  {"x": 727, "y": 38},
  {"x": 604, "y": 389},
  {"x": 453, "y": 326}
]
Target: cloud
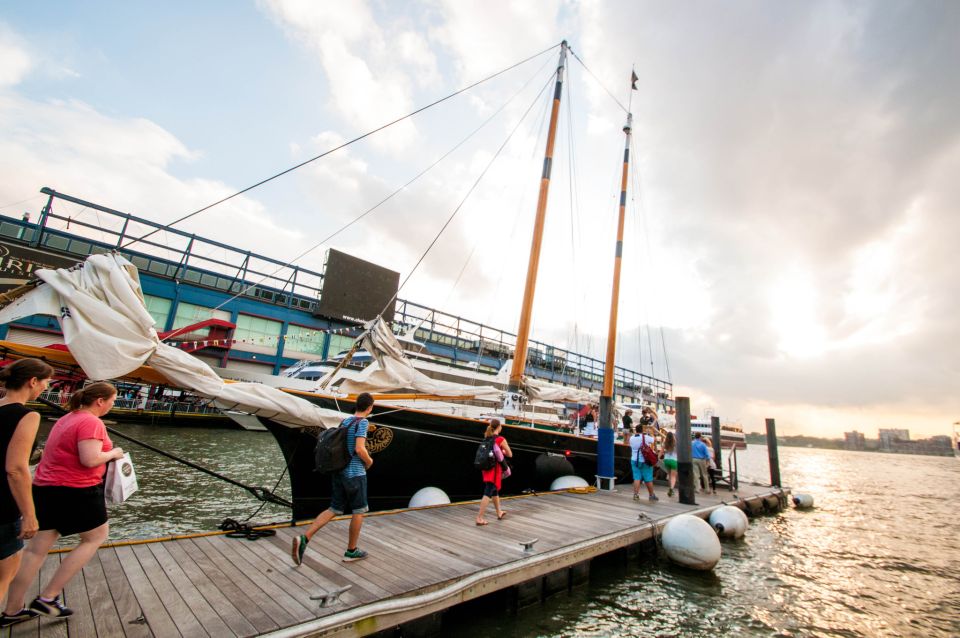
[
  {"x": 364, "y": 69},
  {"x": 15, "y": 61},
  {"x": 125, "y": 163}
]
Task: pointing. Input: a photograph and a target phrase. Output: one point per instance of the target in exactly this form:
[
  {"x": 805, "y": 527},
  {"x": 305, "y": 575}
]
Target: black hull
[{"x": 413, "y": 449}]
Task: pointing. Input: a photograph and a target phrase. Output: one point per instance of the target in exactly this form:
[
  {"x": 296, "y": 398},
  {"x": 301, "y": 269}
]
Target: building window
[
  {"x": 339, "y": 343},
  {"x": 307, "y": 340},
  {"x": 257, "y": 330},
  {"x": 188, "y": 313},
  {"x": 159, "y": 309}
]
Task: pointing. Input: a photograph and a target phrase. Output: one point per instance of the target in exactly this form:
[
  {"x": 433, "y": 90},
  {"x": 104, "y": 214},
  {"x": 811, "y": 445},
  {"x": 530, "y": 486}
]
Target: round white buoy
[
  {"x": 728, "y": 521},
  {"x": 567, "y": 482},
  {"x": 690, "y": 541},
  {"x": 803, "y": 501},
  {"x": 429, "y": 496}
]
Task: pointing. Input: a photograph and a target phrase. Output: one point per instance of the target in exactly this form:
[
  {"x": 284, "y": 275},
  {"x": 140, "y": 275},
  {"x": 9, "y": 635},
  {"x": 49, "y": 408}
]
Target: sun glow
[{"x": 794, "y": 303}]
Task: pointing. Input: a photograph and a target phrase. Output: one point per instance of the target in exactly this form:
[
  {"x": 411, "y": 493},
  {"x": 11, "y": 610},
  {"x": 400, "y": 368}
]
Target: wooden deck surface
[{"x": 420, "y": 561}]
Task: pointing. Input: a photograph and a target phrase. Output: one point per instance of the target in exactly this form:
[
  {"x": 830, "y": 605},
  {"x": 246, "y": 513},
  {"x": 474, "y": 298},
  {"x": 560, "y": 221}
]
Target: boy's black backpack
[
  {"x": 485, "y": 459},
  {"x": 331, "y": 453}
]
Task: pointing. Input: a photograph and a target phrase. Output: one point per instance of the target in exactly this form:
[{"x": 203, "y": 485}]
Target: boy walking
[{"x": 349, "y": 487}]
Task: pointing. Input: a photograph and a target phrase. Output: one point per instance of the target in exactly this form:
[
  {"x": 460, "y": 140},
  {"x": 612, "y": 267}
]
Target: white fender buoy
[
  {"x": 567, "y": 482},
  {"x": 728, "y": 521},
  {"x": 690, "y": 541},
  {"x": 429, "y": 496},
  {"x": 802, "y": 501}
]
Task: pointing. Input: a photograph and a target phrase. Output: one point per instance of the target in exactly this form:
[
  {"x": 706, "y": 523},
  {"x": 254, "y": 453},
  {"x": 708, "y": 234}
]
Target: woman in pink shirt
[{"x": 68, "y": 496}]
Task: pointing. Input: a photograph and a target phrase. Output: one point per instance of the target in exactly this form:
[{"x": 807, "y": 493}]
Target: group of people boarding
[{"x": 649, "y": 434}]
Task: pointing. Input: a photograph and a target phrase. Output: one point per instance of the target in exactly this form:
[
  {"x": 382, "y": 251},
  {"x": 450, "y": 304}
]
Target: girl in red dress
[{"x": 493, "y": 476}]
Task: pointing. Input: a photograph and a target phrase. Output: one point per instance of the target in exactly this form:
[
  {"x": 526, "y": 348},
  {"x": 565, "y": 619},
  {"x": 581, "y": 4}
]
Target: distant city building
[
  {"x": 898, "y": 441},
  {"x": 853, "y": 440},
  {"x": 890, "y": 436}
]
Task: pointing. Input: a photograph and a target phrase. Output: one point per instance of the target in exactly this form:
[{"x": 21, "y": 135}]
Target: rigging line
[
  {"x": 469, "y": 192},
  {"x": 640, "y": 211},
  {"x": 653, "y": 273},
  {"x": 522, "y": 205},
  {"x": 381, "y": 202},
  {"x": 574, "y": 210},
  {"x": 473, "y": 249},
  {"x": 345, "y": 144},
  {"x": 22, "y": 201},
  {"x": 612, "y": 96}
]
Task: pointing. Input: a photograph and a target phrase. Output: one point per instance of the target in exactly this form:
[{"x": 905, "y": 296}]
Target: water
[
  {"x": 175, "y": 499},
  {"x": 879, "y": 556}
]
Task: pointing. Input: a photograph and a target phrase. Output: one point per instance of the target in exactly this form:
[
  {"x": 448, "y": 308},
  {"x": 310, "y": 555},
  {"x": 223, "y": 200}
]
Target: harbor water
[{"x": 878, "y": 556}]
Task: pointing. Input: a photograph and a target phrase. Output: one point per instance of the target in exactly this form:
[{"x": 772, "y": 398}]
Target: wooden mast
[
  {"x": 605, "y": 434},
  {"x": 523, "y": 331}
]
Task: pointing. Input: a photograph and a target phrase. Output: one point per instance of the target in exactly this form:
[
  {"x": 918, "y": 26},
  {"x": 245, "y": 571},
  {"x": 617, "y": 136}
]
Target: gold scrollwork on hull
[{"x": 379, "y": 439}]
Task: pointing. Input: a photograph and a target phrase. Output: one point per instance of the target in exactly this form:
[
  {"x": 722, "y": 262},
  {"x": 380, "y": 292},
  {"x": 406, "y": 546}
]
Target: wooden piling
[
  {"x": 684, "y": 452},
  {"x": 715, "y": 435},
  {"x": 772, "y": 453}
]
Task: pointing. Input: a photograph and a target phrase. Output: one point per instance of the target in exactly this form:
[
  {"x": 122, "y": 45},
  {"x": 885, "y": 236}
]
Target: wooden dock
[{"x": 421, "y": 562}]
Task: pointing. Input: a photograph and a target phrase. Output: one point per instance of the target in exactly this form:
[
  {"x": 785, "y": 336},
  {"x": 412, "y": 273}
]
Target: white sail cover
[
  {"x": 539, "y": 390},
  {"x": 110, "y": 334},
  {"x": 392, "y": 370}
]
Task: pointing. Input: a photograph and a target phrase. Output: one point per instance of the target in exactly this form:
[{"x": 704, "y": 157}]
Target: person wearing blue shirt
[
  {"x": 701, "y": 457},
  {"x": 349, "y": 487}
]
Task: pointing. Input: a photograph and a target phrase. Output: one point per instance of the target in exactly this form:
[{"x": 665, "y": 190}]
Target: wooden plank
[
  {"x": 51, "y": 627},
  {"x": 409, "y": 549},
  {"x": 277, "y": 551},
  {"x": 326, "y": 551},
  {"x": 218, "y": 601},
  {"x": 199, "y": 607},
  {"x": 29, "y": 627},
  {"x": 81, "y": 623},
  {"x": 246, "y": 582},
  {"x": 128, "y": 609},
  {"x": 234, "y": 591},
  {"x": 106, "y": 619},
  {"x": 272, "y": 580},
  {"x": 167, "y": 595},
  {"x": 151, "y": 607}
]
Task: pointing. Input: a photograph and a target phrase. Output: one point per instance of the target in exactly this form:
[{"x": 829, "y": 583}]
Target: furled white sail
[
  {"x": 392, "y": 371},
  {"x": 110, "y": 333},
  {"x": 539, "y": 390}
]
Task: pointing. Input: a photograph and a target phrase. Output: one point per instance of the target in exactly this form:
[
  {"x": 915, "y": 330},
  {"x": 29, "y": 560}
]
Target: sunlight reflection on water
[{"x": 887, "y": 568}]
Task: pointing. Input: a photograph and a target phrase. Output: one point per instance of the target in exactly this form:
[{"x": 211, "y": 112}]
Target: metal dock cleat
[
  {"x": 528, "y": 545},
  {"x": 330, "y": 598}
]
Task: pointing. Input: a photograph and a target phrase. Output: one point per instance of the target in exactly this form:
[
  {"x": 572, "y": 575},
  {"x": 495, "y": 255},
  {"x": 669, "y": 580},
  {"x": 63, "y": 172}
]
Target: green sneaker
[
  {"x": 298, "y": 548},
  {"x": 354, "y": 554}
]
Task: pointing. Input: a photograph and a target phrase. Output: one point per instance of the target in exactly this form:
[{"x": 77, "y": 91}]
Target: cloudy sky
[{"x": 791, "y": 241}]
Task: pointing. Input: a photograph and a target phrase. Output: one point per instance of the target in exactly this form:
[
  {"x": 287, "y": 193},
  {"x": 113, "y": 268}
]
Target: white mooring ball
[
  {"x": 429, "y": 496},
  {"x": 729, "y": 521},
  {"x": 803, "y": 501},
  {"x": 690, "y": 541},
  {"x": 567, "y": 482}
]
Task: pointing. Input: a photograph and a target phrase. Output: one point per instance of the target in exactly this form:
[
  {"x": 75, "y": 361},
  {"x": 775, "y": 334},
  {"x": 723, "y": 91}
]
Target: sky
[{"x": 791, "y": 237}]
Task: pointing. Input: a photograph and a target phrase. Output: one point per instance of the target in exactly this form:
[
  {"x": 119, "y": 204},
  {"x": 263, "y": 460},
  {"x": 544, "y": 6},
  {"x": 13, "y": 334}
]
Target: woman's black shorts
[{"x": 69, "y": 510}]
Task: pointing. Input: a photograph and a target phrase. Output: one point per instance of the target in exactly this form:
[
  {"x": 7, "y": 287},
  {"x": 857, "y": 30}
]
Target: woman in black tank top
[{"x": 24, "y": 381}]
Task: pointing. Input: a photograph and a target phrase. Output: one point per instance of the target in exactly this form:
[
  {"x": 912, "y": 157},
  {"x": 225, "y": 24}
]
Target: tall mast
[
  {"x": 605, "y": 434},
  {"x": 523, "y": 331}
]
